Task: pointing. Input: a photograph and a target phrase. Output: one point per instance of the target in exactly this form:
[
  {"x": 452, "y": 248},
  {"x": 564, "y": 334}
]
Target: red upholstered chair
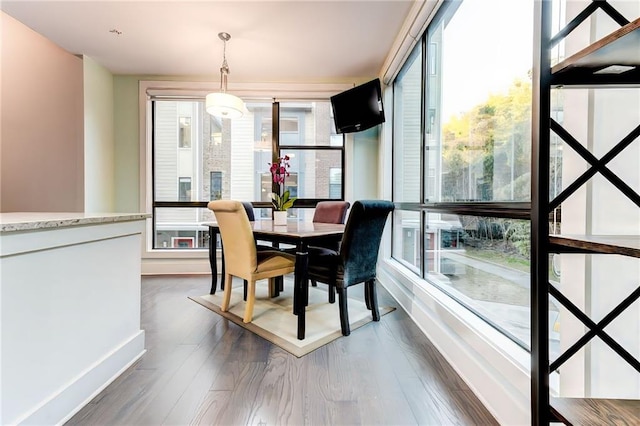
[{"x": 331, "y": 211}]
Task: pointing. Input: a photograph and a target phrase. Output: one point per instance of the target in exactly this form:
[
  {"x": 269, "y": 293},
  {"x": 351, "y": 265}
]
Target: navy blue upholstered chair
[
  {"x": 356, "y": 260},
  {"x": 279, "y": 281},
  {"x": 248, "y": 207}
]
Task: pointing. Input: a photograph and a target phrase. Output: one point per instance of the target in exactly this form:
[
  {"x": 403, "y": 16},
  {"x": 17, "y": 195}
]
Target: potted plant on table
[{"x": 281, "y": 197}]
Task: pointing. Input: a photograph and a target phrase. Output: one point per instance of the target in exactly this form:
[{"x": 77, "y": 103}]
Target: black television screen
[{"x": 359, "y": 108}]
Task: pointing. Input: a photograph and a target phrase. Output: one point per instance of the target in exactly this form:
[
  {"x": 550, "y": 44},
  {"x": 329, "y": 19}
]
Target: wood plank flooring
[{"x": 201, "y": 369}]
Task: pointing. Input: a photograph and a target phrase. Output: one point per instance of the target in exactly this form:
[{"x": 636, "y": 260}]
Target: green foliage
[
  {"x": 509, "y": 236},
  {"x": 521, "y": 189},
  {"x": 488, "y": 147},
  {"x": 518, "y": 234},
  {"x": 284, "y": 202}
]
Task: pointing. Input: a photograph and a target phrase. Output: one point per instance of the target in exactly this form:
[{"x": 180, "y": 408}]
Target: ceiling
[{"x": 283, "y": 41}]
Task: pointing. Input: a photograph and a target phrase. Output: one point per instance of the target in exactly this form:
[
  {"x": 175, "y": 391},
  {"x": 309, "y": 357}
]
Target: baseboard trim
[
  {"x": 64, "y": 404},
  {"x": 175, "y": 266}
]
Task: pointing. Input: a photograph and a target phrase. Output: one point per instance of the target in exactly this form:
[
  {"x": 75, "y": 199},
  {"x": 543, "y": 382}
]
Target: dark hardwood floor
[{"x": 200, "y": 368}]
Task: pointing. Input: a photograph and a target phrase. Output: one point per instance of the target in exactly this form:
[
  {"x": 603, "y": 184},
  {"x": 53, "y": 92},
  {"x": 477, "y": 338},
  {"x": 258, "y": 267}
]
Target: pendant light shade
[{"x": 223, "y": 104}]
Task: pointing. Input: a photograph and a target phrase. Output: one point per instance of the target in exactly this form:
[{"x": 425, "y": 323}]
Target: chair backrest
[
  {"x": 361, "y": 240},
  {"x": 237, "y": 237},
  {"x": 248, "y": 207},
  {"x": 331, "y": 211}
]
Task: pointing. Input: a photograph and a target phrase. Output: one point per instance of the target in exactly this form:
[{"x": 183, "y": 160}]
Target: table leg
[
  {"x": 222, "y": 267},
  {"x": 213, "y": 243},
  {"x": 279, "y": 280},
  {"x": 301, "y": 289}
]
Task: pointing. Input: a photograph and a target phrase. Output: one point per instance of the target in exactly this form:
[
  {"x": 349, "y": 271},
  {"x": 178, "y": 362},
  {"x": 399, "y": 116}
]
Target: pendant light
[{"x": 223, "y": 104}]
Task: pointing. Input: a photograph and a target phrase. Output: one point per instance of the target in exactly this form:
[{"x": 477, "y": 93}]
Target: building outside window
[
  {"x": 184, "y": 190},
  {"x": 215, "y": 186},
  {"x": 229, "y": 159},
  {"x": 184, "y": 133},
  {"x": 335, "y": 183},
  {"x": 307, "y": 135}
]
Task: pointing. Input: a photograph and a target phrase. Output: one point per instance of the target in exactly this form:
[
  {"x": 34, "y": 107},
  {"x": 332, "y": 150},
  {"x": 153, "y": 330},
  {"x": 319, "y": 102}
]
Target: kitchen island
[{"x": 69, "y": 310}]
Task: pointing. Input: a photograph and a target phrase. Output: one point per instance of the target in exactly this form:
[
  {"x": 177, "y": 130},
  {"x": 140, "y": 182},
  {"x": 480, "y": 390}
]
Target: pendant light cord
[{"x": 224, "y": 69}]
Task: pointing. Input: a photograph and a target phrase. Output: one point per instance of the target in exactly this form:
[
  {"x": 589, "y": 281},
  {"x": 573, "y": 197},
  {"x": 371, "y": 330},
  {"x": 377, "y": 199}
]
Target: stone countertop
[{"x": 29, "y": 221}]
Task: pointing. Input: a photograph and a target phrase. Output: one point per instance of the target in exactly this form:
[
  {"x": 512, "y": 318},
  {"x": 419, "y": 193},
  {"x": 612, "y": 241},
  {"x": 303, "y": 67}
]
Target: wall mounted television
[{"x": 359, "y": 108}]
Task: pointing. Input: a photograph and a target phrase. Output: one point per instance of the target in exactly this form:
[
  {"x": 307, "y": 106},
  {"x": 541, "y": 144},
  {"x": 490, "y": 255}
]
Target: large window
[
  {"x": 461, "y": 155},
  {"x": 229, "y": 159}
]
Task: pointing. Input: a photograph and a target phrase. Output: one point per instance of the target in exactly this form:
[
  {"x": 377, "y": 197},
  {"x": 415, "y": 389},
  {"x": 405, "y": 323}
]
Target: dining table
[{"x": 298, "y": 233}]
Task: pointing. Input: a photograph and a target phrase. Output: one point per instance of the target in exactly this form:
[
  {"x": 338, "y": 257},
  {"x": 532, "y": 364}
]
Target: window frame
[
  {"x": 149, "y": 91},
  {"x": 519, "y": 210}
]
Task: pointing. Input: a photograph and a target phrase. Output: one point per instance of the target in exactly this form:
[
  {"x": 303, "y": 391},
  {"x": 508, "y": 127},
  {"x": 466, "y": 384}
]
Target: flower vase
[{"x": 279, "y": 217}]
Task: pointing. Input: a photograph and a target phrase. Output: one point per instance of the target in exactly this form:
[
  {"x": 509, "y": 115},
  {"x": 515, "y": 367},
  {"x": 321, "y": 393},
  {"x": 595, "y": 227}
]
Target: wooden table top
[{"x": 294, "y": 228}]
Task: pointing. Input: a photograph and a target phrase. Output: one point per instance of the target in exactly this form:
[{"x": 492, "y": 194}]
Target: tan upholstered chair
[{"x": 241, "y": 258}]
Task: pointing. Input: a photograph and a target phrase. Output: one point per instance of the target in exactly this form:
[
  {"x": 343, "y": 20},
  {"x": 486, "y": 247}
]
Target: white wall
[
  {"x": 127, "y": 144},
  {"x": 362, "y": 165},
  {"x": 99, "y": 150}
]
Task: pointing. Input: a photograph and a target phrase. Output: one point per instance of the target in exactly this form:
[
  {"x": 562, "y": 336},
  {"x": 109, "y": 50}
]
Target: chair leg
[
  {"x": 244, "y": 294},
  {"x": 367, "y": 296},
  {"x": 276, "y": 285},
  {"x": 273, "y": 287},
  {"x": 371, "y": 296},
  {"x": 344, "y": 314},
  {"x": 314, "y": 283},
  {"x": 227, "y": 293},
  {"x": 251, "y": 298},
  {"x": 332, "y": 293}
]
